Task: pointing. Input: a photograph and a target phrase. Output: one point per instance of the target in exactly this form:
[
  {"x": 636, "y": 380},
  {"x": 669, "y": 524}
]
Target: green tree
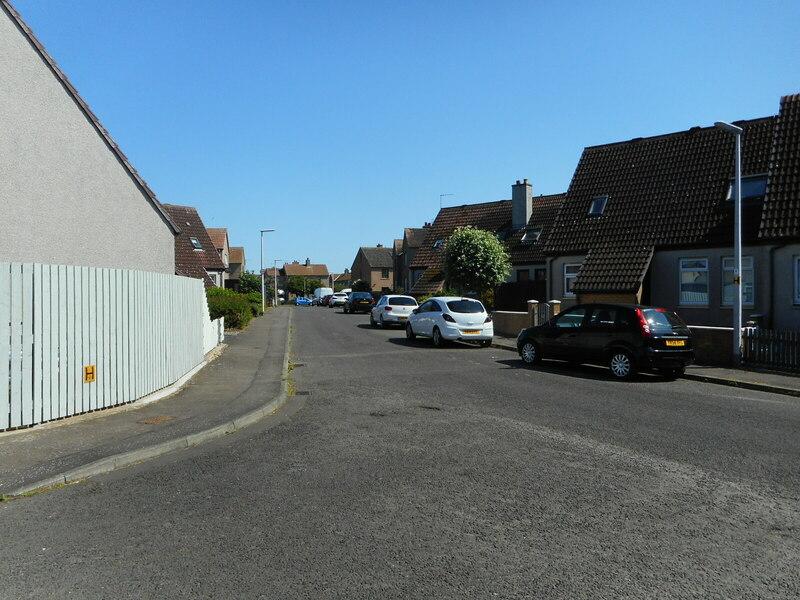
[
  {"x": 475, "y": 260},
  {"x": 300, "y": 286},
  {"x": 250, "y": 282},
  {"x": 359, "y": 285}
]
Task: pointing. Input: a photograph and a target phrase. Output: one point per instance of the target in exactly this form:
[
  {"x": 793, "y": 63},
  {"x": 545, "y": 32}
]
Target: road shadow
[
  {"x": 426, "y": 344},
  {"x": 583, "y": 371}
]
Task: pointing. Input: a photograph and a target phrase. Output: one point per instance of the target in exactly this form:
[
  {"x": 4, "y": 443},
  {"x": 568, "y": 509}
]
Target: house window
[
  {"x": 570, "y": 273},
  {"x": 753, "y": 187},
  {"x": 196, "y": 243},
  {"x": 531, "y": 235},
  {"x": 797, "y": 279},
  {"x": 729, "y": 290},
  {"x": 523, "y": 275},
  {"x": 384, "y": 273},
  {"x": 437, "y": 243},
  {"x": 694, "y": 281},
  {"x": 540, "y": 274},
  {"x": 597, "y": 206}
]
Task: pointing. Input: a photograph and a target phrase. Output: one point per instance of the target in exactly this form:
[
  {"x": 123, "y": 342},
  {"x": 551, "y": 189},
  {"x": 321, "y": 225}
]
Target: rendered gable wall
[{"x": 65, "y": 196}]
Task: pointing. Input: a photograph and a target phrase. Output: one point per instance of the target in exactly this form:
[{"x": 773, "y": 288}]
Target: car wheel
[
  {"x": 410, "y": 335},
  {"x": 485, "y": 343},
  {"x": 382, "y": 322},
  {"x": 438, "y": 340},
  {"x": 621, "y": 365},
  {"x": 529, "y": 353},
  {"x": 372, "y": 320},
  {"x": 673, "y": 373}
]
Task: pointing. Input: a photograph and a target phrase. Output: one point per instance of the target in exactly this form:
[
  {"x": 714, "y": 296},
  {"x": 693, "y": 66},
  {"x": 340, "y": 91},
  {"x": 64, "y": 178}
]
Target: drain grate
[{"x": 155, "y": 420}]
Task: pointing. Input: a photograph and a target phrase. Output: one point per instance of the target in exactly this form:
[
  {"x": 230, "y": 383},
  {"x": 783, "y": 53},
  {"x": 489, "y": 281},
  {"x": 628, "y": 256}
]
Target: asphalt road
[{"x": 404, "y": 471}]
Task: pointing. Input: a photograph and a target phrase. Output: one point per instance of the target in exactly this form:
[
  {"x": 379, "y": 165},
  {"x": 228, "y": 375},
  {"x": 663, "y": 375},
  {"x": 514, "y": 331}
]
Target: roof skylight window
[
  {"x": 532, "y": 234},
  {"x": 196, "y": 243},
  {"x": 438, "y": 243},
  {"x": 753, "y": 187},
  {"x": 597, "y": 206}
]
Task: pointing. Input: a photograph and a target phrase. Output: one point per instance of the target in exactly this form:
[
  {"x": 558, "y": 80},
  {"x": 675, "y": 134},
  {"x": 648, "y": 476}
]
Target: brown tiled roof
[
  {"x": 545, "y": 209},
  {"x": 190, "y": 262},
  {"x": 112, "y": 145},
  {"x": 489, "y": 216},
  {"x": 377, "y": 258},
  {"x": 431, "y": 282},
  {"x": 218, "y": 236},
  {"x": 414, "y": 236},
  {"x": 294, "y": 269},
  {"x": 236, "y": 255},
  {"x": 398, "y": 246},
  {"x": 782, "y": 204},
  {"x": 664, "y": 191}
]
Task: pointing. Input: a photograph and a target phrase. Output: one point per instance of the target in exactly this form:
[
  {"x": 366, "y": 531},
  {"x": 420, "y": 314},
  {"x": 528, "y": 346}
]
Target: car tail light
[
  {"x": 488, "y": 319},
  {"x": 387, "y": 308},
  {"x": 643, "y": 324},
  {"x": 448, "y": 318}
]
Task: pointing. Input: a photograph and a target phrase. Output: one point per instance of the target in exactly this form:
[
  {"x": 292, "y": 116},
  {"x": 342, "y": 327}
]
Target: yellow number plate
[
  {"x": 470, "y": 331},
  {"x": 676, "y": 342}
]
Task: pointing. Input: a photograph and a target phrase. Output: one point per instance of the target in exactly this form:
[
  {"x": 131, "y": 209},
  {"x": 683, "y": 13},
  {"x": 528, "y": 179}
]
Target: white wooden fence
[{"x": 78, "y": 339}]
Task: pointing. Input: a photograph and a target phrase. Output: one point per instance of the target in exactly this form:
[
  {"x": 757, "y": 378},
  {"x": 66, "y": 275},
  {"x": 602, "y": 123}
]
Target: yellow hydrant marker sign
[{"x": 88, "y": 374}]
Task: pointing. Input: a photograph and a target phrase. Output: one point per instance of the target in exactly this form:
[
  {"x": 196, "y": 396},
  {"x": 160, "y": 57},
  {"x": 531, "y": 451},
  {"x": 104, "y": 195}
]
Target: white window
[
  {"x": 728, "y": 289},
  {"x": 196, "y": 243},
  {"x": 753, "y": 187},
  {"x": 797, "y": 279},
  {"x": 438, "y": 243},
  {"x": 597, "y": 206},
  {"x": 694, "y": 281},
  {"x": 570, "y": 273}
]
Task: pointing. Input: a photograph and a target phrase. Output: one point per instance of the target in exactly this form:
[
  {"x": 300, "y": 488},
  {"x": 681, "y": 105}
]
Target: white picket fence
[{"x": 132, "y": 332}]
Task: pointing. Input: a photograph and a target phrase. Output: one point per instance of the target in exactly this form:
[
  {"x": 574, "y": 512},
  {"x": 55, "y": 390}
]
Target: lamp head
[{"x": 728, "y": 127}]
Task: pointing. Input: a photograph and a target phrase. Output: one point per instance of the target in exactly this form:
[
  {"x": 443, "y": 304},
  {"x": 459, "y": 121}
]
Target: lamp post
[
  {"x": 263, "y": 231},
  {"x": 737, "y": 242},
  {"x": 275, "y": 273}
]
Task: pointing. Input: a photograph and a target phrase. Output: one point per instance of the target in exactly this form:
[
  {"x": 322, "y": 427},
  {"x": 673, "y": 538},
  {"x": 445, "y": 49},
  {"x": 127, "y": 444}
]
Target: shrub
[
  {"x": 236, "y": 308},
  {"x": 254, "y": 298}
]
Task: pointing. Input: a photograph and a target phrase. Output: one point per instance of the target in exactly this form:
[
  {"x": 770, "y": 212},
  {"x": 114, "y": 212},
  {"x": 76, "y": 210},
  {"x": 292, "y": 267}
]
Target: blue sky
[{"x": 340, "y": 123}]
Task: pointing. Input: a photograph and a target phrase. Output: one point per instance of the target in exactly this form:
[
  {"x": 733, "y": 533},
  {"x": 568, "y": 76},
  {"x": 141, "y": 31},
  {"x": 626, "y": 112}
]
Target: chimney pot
[{"x": 518, "y": 181}]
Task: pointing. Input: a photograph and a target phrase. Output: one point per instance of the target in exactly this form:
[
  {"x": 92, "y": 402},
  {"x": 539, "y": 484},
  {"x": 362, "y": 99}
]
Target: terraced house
[{"x": 651, "y": 220}]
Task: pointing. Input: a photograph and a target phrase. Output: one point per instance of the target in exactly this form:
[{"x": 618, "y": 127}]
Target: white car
[
  {"x": 338, "y": 299},
  {"x": 450, "y": 318},
  {"x": 392, "y": 309}
]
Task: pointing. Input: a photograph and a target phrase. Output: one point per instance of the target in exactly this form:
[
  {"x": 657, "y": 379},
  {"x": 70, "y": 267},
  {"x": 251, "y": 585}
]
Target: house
[
  {"x": 306, "y": 270},
  {"x": 236, "y": 267},
  {"x": 413, "y": 237},
  {"x": 195, "y": 253},
  {"x": 70, "y": 196},
  {"x": 219, "y": 237},
  {"x": 340, "y": 280},
  {"x": 375, "y": 266},
  {"x": 651, "y": 220}
]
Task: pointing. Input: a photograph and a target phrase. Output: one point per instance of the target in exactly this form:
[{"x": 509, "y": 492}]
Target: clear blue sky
[{"x": 339, "y": 123}]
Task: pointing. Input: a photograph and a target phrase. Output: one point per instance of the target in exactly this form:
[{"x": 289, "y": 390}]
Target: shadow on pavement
[{"x": 582, "y": 371}]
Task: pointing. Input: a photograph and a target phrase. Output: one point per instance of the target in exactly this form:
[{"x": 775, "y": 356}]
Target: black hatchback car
[
  {"x": 625, "y": 337},
  {"x": 359, "y": 302}
]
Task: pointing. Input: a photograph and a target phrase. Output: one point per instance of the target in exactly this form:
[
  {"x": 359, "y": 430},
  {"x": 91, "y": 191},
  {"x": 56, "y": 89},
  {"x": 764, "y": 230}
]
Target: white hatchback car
[
  {"x": 450, "y": 318},
  {"x": 338, "y": 299},
  {"x": 392, "y": 309}
]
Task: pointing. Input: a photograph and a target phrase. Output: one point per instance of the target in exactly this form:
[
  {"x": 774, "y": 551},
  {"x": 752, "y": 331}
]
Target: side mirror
[{"x": 415, "y": 311}]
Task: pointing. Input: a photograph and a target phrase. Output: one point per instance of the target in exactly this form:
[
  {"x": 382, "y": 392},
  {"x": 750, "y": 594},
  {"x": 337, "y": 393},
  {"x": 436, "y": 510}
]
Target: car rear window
[
  {"x": 465, "y": 306},
  {"x": 361, "y": 295},
  {"x": 402, "y": 302},
  {"x": 662, "y": 319}
]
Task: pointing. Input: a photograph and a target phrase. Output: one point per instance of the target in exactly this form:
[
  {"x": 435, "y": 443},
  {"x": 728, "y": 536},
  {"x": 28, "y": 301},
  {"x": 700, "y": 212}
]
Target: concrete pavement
[{"x": 247, "y": 382}]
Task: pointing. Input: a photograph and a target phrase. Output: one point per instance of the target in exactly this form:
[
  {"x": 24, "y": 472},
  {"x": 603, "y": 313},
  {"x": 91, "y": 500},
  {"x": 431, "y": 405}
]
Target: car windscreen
[
  {"x": 662, "y": 319},
  {"x": 465, "y": 306},
  {"x": 402, "y": 302}
]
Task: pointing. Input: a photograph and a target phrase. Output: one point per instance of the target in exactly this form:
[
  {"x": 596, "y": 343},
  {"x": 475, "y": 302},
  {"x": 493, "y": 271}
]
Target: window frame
[
  {"x": 534, "y": 232},
  {"x": 796, "y": 260},
  {"x": 195, "y": 243},
  {"x": 731, "y": 269},
  {"x": 598, "y": 213},
  {"x": 567, "y": 276},
  {"x": 384, "y": 273},
  {"x": 746, "y": 179},
  {"x": 682, "y": 270}
]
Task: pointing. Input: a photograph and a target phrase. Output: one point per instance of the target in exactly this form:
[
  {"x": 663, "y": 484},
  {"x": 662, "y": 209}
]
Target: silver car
[{"x": 392, "y": 310}]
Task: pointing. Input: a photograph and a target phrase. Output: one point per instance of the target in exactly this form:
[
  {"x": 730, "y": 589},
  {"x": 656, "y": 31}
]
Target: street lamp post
[
  {"x": 275, "y": 273},
  {"x": 263, "y": 231},
  {"x": 737, "y": 242}
]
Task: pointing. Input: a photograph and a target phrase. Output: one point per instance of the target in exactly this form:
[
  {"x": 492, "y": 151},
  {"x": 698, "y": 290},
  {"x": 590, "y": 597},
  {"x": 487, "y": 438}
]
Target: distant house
[
  {"x": 343, "y": 280},
  {"x": 69, "y": 194},
  {"x": 651, "y": 220},
  {"x": 219, "y": 237},
  {"x": 404, "y": 256},
  {"x": 236, "y": 267},
  {"x": 195, "y": 253},
  {"x": 375, "y": 266},
  {"x": 308, "y": 271}
]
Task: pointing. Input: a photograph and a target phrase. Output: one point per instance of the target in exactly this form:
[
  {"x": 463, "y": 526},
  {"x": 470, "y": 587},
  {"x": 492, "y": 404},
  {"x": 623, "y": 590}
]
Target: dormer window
[
  {"x": 597, "y": 206},
  {"x": 437, "y": 243},
  {"x": 753, "y": 187},
  {"x": 196, "y": 243},
  {"x": 532, "y": 234}
]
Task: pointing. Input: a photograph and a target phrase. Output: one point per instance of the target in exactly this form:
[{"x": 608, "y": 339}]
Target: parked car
[
  {"x": 337, "y": 299},
  {"x": 392, "y": 309},
  {"x": 324, "y": 300},
  {"x": 359, "y": 302},
  {"x": 450, "y": 318},
  {"x": 302, "y": 301},
  {"x": 625, "y": 337},
  {"x": 319, "y": 294}
]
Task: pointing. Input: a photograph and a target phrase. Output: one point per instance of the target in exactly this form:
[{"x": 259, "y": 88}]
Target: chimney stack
[
  {"x": 521, "y": 204},
  {"x": 308, "y": 262}
]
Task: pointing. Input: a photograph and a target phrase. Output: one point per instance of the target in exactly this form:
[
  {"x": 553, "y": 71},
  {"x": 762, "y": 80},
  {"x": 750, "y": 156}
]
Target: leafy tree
[
  {"x": 475, "y": 260},
  {"x": 250, "y": 282},
  {"x": 359, "y": 285},
  {"x": 300, "y": 286}
]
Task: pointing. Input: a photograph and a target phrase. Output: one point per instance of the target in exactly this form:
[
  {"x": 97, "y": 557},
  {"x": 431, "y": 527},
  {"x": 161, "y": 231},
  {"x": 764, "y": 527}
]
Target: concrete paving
[
  {"x": 777, "y": 383},
  {"x": 246, "y": 382}
]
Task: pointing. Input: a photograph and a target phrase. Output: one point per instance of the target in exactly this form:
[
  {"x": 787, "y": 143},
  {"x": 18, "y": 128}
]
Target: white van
[{"x": 319, "y": 294}]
